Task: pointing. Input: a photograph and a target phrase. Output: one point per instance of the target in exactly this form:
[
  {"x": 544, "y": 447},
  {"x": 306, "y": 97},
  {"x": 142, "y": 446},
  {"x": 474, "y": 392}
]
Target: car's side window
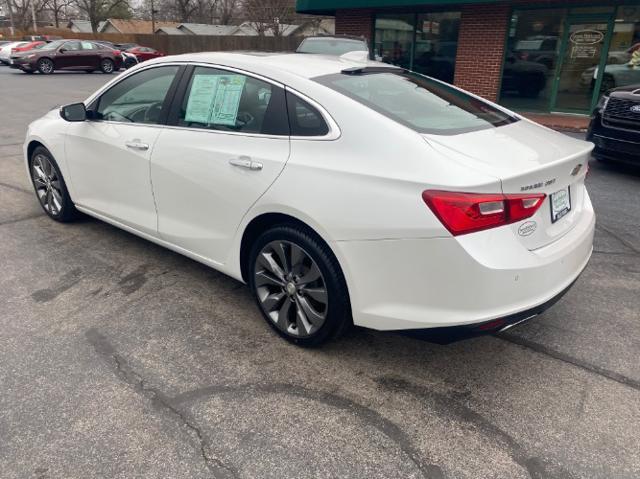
[
  {"x": 138, "y": 98},
  {"x": 223, "y": 100},
  {"x": 305, "y": 120},
  {"x": 87, "y": 46},
  {"x": 71, "y": 46}
]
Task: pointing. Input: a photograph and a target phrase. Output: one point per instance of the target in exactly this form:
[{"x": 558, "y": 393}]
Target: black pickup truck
[{"x": 615, "y": 126}]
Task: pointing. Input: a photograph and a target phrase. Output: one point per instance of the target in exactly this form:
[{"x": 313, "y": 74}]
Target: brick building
[{"x": 532, "y": 56}]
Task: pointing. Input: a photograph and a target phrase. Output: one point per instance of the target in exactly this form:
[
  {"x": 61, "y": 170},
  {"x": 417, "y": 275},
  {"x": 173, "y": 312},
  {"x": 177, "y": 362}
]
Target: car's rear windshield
[
  {"x": 418, "y": 102},
  {"x": 332, "y": 46}
]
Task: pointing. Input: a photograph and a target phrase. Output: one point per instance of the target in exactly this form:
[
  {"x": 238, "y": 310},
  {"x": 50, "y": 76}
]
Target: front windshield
[
  {"x": 418, "y": 102},
  {"x": 332, "y": 46}
]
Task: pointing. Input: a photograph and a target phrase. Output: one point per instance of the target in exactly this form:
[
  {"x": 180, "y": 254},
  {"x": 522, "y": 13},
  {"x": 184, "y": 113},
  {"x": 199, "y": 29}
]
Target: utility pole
[
  {"x": 153, "y": 18},
  {"x": 33, "y": 17}
]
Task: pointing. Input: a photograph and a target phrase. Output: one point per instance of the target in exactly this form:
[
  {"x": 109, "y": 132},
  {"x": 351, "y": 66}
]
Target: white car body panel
[
  {"x": 5, "y": 50},
  {"x": 119, "y": 187},
  {"x": 201, "y": 197},
  {"x": 359, "y": 189}
]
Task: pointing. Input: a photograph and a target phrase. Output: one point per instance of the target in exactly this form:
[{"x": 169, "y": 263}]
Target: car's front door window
[
  {"x": 229, "y": 101},
  {"x": 138, "y": 98},
  {"x": 71, "y": 46}
]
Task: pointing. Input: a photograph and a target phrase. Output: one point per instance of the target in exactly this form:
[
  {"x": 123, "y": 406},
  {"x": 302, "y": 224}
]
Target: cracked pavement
[{"x": 122, "y": 359}]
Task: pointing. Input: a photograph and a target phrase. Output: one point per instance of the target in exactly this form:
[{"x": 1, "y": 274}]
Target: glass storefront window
[
  {"x": 425, "y": 43},
  {"x": 584, "y": 48},
  {"x": 436, "y": 44},
  {"x": 533, "y": 46},
  {"x": 394, "y": 39},
  {"x": 623, "y": 60}
]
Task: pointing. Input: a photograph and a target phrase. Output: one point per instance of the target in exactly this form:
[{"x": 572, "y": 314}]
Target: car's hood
[{"x": 625, "y": 89}]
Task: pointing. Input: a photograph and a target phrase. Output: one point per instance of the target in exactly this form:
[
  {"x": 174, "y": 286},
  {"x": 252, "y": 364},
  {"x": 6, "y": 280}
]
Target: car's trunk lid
[{"x": 529, "y": 159}]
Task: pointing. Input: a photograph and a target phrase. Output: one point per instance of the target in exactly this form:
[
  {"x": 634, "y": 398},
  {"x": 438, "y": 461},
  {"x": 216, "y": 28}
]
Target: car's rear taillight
[{"x": 463, "y": 213}]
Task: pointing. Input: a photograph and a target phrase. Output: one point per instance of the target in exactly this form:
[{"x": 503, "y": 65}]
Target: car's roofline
[{"x": 281, "y": 66}]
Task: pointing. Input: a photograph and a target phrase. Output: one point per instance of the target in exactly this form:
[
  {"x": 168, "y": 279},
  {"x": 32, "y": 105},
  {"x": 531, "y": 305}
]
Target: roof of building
[
  {"x": 83, "y": 26},
  {"x": 134, "y": 26},
  {"x": 169, "y": 31},
  {"x": 206, "y": 29},
  {"x": 249, "y": 29}
]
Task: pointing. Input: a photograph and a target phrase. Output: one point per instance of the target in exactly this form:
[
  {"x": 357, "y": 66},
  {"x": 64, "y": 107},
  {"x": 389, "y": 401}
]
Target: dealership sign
[{"x": 586, "y": 37}]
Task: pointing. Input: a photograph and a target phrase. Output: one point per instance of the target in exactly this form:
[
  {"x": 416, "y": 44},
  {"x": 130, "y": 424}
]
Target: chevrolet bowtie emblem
[{"x": 576, "y": 170}]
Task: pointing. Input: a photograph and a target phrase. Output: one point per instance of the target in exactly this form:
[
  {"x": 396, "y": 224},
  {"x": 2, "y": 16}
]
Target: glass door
[{"x": 582, "y": 59}]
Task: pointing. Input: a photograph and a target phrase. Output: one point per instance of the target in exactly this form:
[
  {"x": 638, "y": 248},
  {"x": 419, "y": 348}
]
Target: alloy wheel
[
  {"x": 46, "y": 66},
  {"x": 107, "y": 66},
  {"x": 291, "y": 289},
  {"x": 48, "y": 185}
]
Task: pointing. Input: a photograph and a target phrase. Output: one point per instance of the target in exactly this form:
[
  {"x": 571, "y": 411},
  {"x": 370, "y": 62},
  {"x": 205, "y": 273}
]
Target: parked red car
[
  {"x": 145, "y": 53},
  {"x": 27, "y": 46}
]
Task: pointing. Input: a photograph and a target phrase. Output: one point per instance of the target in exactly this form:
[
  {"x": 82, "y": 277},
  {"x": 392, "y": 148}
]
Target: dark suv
[
  {"x": 615, "y": 125},
  {"x": 68, "y": 55}
]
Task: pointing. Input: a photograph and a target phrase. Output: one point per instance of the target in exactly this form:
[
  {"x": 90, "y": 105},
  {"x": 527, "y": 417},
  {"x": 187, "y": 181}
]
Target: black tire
[
  {"x": 67, "y": 211},
  {"x": 337, "y": 313},
  {"x": 45, "y": 66},
  {"x": 107, "y": 66}
]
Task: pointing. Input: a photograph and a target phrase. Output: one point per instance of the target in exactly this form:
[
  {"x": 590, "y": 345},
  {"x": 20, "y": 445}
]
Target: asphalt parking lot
[{"x": 122, "y": 359}]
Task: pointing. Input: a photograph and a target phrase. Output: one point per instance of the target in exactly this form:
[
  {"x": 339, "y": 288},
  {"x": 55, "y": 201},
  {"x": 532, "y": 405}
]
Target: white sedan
[
  {"x": 342, "y": 191},
  {"x": 5, "y": 51}
]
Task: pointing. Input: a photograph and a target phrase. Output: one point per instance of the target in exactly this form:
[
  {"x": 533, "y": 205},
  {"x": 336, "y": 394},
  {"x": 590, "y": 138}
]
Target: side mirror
[
  {"x": 74, "y": 112},
  {"x": 62, "y": 50}
]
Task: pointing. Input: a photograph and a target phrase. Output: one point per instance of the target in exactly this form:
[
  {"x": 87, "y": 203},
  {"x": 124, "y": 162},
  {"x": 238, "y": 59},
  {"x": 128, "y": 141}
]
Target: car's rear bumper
[
  {"x": 445, "y": 282},
  {"x": 450, "y": 334}
]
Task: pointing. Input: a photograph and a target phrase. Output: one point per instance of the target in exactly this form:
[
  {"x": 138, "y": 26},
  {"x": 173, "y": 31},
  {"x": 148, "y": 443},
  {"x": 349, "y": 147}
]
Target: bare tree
[
  {"x": 56, "y": 8},
  {"x": 23, "y": 13},
  {"x": 269, "y": 16},
  {"x": 227, "y": 11},
  {"x": 99, "y": 10},
  {"x": 205, "y": 11}
]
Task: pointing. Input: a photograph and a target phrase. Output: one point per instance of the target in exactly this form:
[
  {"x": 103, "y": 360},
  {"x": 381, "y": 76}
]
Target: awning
[{"x": 329, "y": 7}]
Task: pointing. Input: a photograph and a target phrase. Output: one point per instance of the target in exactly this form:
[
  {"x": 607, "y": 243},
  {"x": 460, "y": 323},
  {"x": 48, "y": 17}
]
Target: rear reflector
[{"x": 463, "y": 213}]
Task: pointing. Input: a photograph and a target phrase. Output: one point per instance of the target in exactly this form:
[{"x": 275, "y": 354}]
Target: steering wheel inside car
[
  {"x": 115, "y": 116},
  {"x": 244, "y": 119},
  {"x": 152, "y": 113}
]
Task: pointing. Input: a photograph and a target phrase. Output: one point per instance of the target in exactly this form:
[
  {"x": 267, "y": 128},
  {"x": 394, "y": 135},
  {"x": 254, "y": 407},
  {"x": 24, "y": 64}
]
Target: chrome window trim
[
  {"x": 334, "y": 130},
  {"x": 123, "y": 76}
]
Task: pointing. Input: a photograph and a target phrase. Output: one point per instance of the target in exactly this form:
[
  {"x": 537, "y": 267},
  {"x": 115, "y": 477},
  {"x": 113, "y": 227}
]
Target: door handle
[
  {"x": 136, "y": 145},
  {"x": 246, "y": 162}
]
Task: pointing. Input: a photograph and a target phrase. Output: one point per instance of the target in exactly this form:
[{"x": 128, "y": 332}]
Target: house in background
[
  {"x": 169, "y": 31},
  {"x": 206, "y": 29},
  {"x": 117, "y": 25},
  {"x": 82, "y": 26},
  {"x": 324, "y": 26},
  {"x": 307, "y": 28}
]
